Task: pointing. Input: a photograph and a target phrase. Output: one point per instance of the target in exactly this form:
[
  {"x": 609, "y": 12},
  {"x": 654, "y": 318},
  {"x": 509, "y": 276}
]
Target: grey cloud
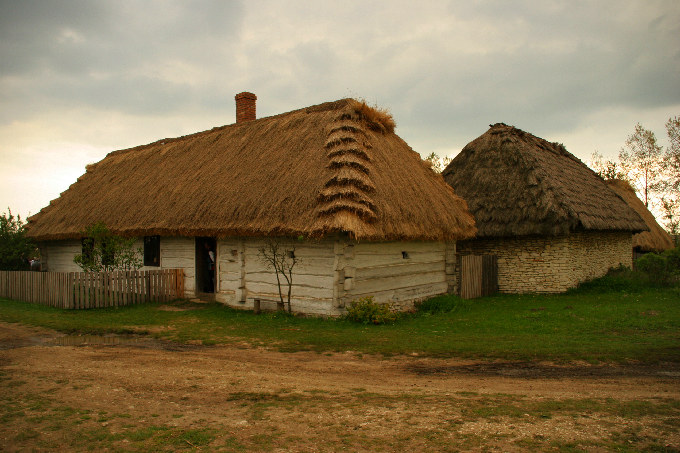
[{"x": 96, "y": 53}]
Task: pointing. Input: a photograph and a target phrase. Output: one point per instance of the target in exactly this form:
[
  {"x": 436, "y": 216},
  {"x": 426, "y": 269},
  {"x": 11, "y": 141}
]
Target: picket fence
[{"x": 80, "y": 290}]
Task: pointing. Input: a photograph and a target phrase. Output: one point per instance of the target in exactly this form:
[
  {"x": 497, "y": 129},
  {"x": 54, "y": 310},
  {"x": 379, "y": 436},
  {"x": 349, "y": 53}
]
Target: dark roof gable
[{"x": 518, "y": 184}]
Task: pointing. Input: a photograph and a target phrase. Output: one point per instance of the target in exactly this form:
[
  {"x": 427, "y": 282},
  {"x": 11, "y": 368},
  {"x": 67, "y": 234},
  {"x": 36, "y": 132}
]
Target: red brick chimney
[{"x": 245, "y": 106}]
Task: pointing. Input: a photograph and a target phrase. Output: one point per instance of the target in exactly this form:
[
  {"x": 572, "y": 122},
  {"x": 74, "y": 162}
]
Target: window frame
[{"x": 152, "y": 251}]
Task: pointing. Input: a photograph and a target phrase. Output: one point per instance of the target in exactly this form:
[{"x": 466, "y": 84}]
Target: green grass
[{"x": 604, "y": 321}]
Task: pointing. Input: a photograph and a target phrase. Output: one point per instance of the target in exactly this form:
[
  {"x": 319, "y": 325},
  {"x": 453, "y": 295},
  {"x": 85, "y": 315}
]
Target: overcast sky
[{"x": 79, "y": 79}]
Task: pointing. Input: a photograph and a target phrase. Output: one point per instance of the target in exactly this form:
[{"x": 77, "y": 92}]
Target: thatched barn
[
  {"x": 551, "y": 221},
  {"x": 654, "y": 240},
  {"x": 332, "y": 181}
]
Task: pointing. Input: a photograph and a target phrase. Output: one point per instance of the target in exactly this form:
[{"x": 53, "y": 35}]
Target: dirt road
[{"x": 140, "y": 394}]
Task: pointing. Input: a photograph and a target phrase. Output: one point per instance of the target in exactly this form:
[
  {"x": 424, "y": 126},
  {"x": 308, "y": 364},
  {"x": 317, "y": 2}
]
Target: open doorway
[{"x": 206, "y": 263}]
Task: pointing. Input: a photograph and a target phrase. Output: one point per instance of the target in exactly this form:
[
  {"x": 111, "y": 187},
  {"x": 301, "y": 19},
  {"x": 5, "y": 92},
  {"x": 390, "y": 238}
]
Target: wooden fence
[
  {"x": 78, "y": 290},
  {"x": 479, "y": 276}
]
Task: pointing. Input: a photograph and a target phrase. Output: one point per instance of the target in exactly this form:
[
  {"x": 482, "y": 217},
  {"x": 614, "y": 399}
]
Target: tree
[
  {"x": 609, "y": 169},
  {"x": 282, "y": 259},
  {"x": 15, "y": 248},
  {"x": 642, "y": 160},
  {"x": 671, "y": 209},
  {"x": 438, "y": 164},
  {"x": 105, "y": 252},
  {"x": 672, "y": 154},
  {"x": 654, "y": 172}
]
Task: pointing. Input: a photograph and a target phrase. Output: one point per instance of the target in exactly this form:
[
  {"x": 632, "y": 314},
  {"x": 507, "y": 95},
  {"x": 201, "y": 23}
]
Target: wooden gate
[{"x": 478, "y": 276}]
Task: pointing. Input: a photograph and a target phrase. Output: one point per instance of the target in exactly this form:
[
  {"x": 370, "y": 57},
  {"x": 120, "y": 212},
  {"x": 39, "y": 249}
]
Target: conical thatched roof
[
  {"x": 654, "y": 240},
  {"x": 519, "y": 184},
  {"x": 337, "y": 167}
]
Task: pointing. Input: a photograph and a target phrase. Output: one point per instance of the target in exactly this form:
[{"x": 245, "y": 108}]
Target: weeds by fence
[{"x": 79, "y": 290}]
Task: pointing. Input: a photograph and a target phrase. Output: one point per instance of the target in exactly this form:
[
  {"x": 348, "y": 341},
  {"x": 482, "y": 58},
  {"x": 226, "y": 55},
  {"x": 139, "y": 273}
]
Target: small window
[
  {"x": 107, "y": 252},
  {"x": 152, "y": 251},
  {"x": 87, "y": 247},
  {"x": 404, "y": 255},
  {"x": 291, "y": 254}
]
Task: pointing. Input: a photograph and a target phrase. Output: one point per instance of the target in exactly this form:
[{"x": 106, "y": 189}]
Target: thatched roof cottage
[
  {"x": 364, "y": 214},
  {"x": 654, "y": 240},
  {"x": 551, "y": 221}
]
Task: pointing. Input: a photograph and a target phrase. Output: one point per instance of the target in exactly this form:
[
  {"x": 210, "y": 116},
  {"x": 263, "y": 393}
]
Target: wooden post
[{"x": 256, "y": 306}]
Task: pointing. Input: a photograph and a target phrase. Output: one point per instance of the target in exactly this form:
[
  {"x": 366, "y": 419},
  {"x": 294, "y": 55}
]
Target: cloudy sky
[{"x": 81, "y": 78}]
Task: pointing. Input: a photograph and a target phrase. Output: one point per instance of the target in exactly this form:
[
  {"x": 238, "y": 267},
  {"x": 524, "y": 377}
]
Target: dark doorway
[{"x": 206, "y": 263}]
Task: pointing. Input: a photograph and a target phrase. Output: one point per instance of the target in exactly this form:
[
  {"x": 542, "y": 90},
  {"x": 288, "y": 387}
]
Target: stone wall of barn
[{"x": 540, "y": 264}]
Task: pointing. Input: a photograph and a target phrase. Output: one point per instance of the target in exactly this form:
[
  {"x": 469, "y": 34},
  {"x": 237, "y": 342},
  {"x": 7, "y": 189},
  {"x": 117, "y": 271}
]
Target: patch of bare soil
[{"x": 160, "y": 395}]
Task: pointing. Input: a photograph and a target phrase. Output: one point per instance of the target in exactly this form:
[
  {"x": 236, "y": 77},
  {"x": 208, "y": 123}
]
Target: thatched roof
[
  {"x": 654, "y": 240},
  {"x": 326, "y": 169},
  {"x": 519, "y": 184}
]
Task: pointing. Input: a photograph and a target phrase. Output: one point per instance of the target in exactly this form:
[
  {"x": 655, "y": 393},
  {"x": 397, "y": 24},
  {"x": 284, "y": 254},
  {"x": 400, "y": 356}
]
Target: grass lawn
[{"x": 609, "y": 324}]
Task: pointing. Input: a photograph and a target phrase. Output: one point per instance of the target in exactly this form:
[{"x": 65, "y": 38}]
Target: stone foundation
[{"x": 552, "y": 264}]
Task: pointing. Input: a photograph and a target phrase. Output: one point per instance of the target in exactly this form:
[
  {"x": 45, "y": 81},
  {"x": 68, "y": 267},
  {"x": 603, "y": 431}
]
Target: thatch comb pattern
[{"x": 349, "y": 187}]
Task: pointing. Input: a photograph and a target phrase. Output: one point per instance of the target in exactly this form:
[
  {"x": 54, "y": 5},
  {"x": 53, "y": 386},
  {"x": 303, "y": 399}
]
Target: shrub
[
  {"x": 15, "y": 248},
  {"x": 441, "y": 304},
  {"x": 673, "y": 259},
  {"x": 366, "y": 311},
  {"x": 659, "y": 268},
  {"x": 104, "y": 251},
  {"x": 619, "y": 279}
]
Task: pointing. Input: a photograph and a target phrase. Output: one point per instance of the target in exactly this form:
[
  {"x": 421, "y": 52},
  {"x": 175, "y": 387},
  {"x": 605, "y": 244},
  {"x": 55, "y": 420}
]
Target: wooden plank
[
  {"x": 489, "y": 275},
  {"x": 394, "y": 270},
  {"x": 70, "y": 288},
  {"x": 401, "y": 294},
  {"x": 180, "y": 282},
  {"x": 471, "y": 277},
  {"x": 126, "y": 288},
  {"x": 395, "y": 282},
  {"x": 297, "y": 290}
]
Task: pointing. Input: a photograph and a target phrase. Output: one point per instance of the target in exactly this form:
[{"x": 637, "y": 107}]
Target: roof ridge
[
  {"x": 324, "y": 106},
  {"x": 349, "y": 187}
]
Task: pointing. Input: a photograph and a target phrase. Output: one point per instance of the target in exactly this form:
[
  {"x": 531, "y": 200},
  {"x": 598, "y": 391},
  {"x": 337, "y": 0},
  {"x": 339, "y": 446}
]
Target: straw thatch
[
  {"x": 519, "y": 184},
  {"x": 654, "y": 240},
  {"x": 331, "y": 168}
]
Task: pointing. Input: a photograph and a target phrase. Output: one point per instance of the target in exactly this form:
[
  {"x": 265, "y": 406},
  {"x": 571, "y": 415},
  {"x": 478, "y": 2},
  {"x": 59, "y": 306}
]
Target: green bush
[
  {"x": 366, "y": 311},
  {"x": 673, "y": 257},
  {"x": 441, "y": 304},
  {"x": 15, "y": 248},
  {"x": 660, "y": 268},
  {"x": 619, "y": 279}
]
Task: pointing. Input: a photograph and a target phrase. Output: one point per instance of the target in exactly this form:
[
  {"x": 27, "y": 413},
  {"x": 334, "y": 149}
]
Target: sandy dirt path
[{"x": 245, "y": 399}]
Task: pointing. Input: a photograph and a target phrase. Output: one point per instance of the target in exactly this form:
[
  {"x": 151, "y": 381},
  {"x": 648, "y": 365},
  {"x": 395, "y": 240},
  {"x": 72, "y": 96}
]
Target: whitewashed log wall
[
  {"x": 176, "y": 252},
  {"x": 179, "y": 253},
  {"x": 330, "y": 274},
  {"x": 397, "y": 272},
  {"x": 57, "y": 256},
  {"x": 244, "y": 277}
]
